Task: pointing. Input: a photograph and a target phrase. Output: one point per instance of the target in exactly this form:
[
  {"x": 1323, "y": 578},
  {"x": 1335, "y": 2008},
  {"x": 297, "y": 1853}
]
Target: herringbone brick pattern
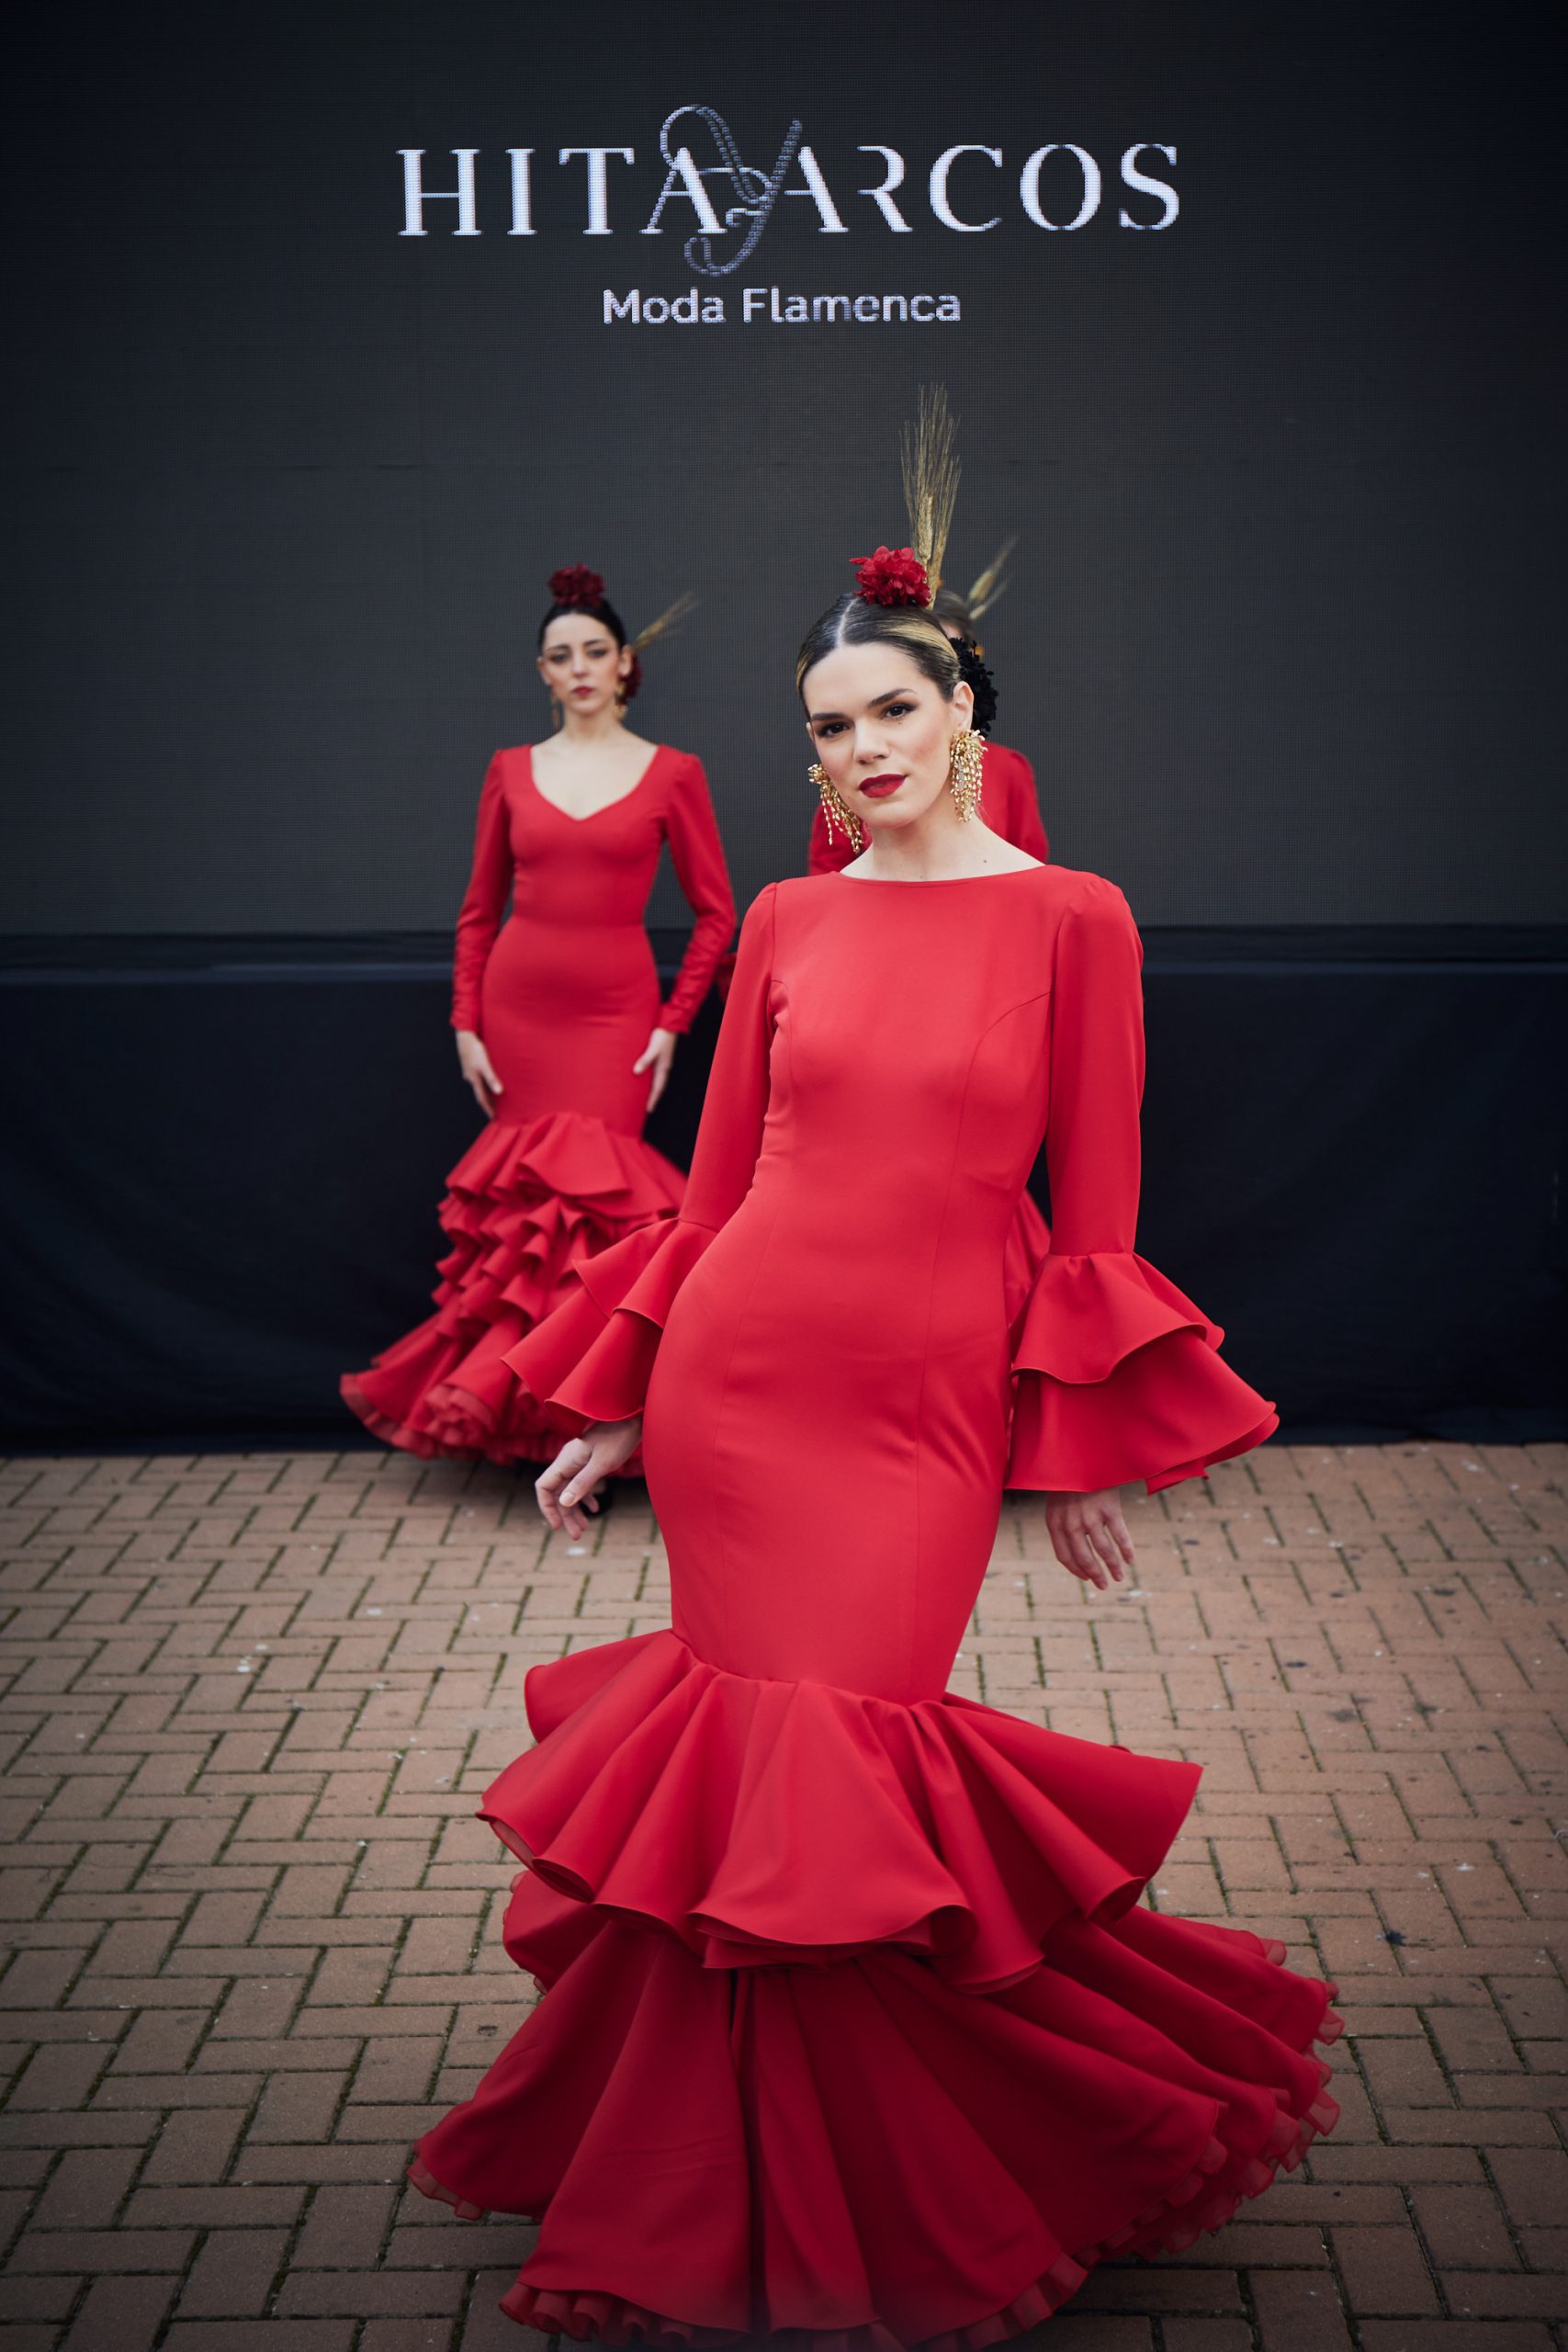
[{"x": 252, "y": 1701}]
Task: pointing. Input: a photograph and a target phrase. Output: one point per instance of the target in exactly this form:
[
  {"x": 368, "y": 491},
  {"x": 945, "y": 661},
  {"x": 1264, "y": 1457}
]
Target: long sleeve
[
  {"x": 830, "y": 852},
  {"x": 591, "y": 1361},
  {"x": 1018, "y": 817},
  {"x": 1118, "y": 1374},
  {"x": 484, "y": 901},
  {"x": 698, "y": 855}
]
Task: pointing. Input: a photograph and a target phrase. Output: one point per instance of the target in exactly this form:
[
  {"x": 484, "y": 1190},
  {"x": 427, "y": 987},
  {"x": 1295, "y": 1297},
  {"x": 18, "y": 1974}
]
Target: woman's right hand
[
  {"x": 475, "y": 1065},
  {"x": 566, "y": 1488}
]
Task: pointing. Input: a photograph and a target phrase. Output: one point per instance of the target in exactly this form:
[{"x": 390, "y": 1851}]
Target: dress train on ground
[{"x": 856, "y": 2031}]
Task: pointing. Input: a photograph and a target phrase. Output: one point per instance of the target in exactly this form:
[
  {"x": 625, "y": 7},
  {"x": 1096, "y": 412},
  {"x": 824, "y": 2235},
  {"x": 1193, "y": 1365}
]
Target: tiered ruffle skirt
[
  {"x": 524, "y": 1206},
  {"x": 856, "y": 2034}
]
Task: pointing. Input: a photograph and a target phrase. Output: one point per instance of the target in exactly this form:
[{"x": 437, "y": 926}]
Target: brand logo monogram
[{"x": 755, "y": 193}]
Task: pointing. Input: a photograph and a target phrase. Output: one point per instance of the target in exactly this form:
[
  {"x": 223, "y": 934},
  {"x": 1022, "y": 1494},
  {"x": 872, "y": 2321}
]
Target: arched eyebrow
[
  {"x": 894, "y": 694},
  {"x": 563, "y": 644}
]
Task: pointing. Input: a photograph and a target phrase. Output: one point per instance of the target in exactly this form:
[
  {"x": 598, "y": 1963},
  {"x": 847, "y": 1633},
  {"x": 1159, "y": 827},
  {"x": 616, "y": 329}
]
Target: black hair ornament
[{"x": 977, "y": 678}]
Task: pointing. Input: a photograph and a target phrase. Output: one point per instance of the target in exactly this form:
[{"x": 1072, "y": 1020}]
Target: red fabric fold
[
  {"x": 1088, "y": 1311},
  {"x": 768, "y": 1822},
  {"x": 1118, "y": 1377},
  {"x": 527, "y": 1203},
  {"x": 868, "y": 2158},
  {"x": 593, "y": 1359}
]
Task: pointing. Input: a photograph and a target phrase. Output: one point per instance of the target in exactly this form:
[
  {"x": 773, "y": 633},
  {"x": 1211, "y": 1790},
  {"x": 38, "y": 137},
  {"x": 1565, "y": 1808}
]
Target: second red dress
[
  {"x": 856, "y": 2031},
  {"x": 564, "y": 994}
]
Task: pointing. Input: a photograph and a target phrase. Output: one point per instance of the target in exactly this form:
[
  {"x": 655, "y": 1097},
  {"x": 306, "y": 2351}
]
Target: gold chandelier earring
[
  {"x": 840, "y": 815},
  {"x": 964, "y": 774}
]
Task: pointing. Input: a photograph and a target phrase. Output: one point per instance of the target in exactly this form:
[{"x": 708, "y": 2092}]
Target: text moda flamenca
[{"x": 768, "y": 305}]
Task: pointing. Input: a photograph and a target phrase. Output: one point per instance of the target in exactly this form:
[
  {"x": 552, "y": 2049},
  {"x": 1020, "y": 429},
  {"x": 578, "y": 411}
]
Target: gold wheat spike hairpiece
[
  {"x": 668, "y": 619},
  {"x": 929, "y": 450},
  {"x": 991, "y": 586}
]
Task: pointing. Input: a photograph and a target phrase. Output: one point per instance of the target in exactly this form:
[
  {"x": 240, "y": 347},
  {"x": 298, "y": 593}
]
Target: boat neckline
[{"x": 938, "y": 881}]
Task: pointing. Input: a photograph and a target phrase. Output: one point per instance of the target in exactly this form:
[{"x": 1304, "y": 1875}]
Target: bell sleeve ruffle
[
  {"x": 593, "y": 1359},
  {"x": 1118, "y": 1375}
]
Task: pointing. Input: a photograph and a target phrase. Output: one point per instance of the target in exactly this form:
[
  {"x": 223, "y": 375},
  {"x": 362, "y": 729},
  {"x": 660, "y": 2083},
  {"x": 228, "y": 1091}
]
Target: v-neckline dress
[{"x": 564, "y": 994}]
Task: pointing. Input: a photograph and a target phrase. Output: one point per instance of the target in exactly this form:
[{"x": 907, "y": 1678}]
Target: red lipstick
[{"x": 880, "y": 787}]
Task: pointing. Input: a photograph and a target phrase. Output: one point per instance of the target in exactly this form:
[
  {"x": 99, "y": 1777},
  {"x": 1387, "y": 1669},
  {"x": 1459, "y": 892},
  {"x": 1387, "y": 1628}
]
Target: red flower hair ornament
[
  {"x": 892, "y": 576},
  {"x": 577, "y": 589}
]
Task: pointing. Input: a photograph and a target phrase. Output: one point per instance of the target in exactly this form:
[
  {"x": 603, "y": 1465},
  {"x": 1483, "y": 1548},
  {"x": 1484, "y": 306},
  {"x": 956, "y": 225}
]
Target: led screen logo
[
  {"x": 755, "y": 193},
  {"x": 1057, "y": 186},
  {"x": 724, "y": 205}
]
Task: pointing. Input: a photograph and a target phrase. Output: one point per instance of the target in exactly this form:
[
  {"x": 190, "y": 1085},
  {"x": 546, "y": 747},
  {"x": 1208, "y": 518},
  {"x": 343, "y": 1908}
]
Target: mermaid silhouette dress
[
  {"x": 564, "y": 995},
  {"x": 856, "y": 2031}
]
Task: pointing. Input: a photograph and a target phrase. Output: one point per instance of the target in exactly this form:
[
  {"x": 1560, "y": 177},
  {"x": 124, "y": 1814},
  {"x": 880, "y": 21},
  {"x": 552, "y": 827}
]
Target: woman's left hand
[
  {"x": 1089, "y": 1536},
  {"x": 570, "y": 1486},
  {"x": 657, "y": 1056}
]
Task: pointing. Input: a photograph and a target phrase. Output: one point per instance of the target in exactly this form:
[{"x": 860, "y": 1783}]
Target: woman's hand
[
  {"x": 475, "y": 1065},
  {"x": 566, "y": 1488},
  {"x": 657, "y": 1056},
  {"x": 1089, "y": 1536}
]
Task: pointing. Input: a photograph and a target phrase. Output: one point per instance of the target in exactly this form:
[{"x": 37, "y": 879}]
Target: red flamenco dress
[
  {"x": 1010, "y": 807},
  {"x": 564, "y": 995},
  {"x": 856, "y": 2032}
]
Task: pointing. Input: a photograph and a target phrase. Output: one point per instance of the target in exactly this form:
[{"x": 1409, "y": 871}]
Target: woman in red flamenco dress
[
  {"x": 560, "y": 1034},
  {"x": 856, "y": 2034}
]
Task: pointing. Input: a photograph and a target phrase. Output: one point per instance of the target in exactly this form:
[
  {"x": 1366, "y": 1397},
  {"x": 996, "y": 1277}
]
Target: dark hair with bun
[{"x": 979, "y": 681}]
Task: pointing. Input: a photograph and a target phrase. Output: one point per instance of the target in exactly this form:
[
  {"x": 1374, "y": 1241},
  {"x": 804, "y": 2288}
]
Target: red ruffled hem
[
  {"x": 855, "y": 2034},
  {"x": 1217, "y": 2152},
  {"x": 585, "y": 2316},
  {"x": 527, "y": 1205},
  {"x": 770, "y": 1822}
]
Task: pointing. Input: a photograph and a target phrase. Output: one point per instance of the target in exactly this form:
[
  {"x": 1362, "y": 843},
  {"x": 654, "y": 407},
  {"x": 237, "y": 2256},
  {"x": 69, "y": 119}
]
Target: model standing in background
[
  {"x": 560, "y": 1031},
  {"x": 857, "y": 2033}
]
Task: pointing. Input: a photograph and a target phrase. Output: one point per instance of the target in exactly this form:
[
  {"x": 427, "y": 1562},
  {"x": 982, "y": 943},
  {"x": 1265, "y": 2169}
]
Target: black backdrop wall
[
  {"x": 1275, "y": 421},
  {"x": 286, "y": 483}
]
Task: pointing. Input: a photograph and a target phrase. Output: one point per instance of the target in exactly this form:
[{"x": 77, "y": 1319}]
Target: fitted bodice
[
  {"x": 908, "y": 1063},
  {"x": 597, "y": 869},
  {"x": 593, "y": 874}
]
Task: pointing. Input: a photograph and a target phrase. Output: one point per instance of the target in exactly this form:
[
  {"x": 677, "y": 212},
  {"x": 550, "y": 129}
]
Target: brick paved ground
[{"x": 255, "y": 1925}]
